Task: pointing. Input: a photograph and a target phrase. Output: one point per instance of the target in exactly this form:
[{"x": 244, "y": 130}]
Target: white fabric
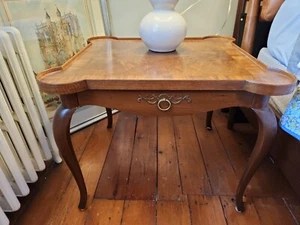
[
  {"x": 284, "y": 31},
  {"x": 280, "y": 103},
  {"x": 294, "y": 61},
  {"x": 265, "y": 57}
]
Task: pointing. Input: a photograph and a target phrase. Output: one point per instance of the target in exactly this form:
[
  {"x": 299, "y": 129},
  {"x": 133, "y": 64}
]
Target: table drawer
[{"x": 170, "y": 102}]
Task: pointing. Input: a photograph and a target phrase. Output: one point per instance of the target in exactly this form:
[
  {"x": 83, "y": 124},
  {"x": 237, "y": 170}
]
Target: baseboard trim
[{"x": 90, "y": 121}]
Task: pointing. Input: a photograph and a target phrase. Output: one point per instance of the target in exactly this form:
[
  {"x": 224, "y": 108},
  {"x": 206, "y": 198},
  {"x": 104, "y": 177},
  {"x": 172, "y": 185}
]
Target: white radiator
[{"x": 26, "y": 138}]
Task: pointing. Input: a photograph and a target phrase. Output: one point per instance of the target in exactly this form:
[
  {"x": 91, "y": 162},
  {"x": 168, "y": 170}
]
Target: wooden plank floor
[{"x": 162, "y": 171}]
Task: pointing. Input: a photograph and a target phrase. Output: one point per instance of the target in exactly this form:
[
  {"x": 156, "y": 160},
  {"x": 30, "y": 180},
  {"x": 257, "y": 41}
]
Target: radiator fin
[{"x": 26, "y": 137}]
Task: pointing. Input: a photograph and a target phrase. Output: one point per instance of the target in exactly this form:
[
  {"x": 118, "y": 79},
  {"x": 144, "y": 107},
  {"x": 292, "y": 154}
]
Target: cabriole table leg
[
  {"x": 267, "y": 126},
  {"x": 61, "y": 130},
  {"x": 209, "y": 115},
  {"x": 109, "y": 117}
]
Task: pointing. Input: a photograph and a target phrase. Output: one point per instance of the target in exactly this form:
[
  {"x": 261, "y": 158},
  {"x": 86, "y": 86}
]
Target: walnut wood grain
[
  {"x": 210, "y": 63},
  {"x": 61, "y": 131},
  {"x": 203, "y": 74},
  {"x": 250, "y": 25},
  {"x": 209, "y": 115},
  {"x": 201, "y": 101},
  {"x": 238, "y": 18},
  {"x": 109, "y": 117},
  {"x": 267, "y": 131}
]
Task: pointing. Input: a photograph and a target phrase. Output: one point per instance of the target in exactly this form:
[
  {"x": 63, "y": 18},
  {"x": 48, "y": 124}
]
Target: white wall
[{"x": 207, "y": 17}]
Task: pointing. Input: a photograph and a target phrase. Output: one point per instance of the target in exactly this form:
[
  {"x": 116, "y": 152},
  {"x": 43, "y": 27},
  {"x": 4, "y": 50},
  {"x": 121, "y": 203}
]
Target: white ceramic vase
[{"x": 163, "y": 29}]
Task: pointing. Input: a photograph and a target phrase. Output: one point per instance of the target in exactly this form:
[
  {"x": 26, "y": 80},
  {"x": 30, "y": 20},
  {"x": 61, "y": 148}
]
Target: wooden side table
[{"x": 203, "y": 74}]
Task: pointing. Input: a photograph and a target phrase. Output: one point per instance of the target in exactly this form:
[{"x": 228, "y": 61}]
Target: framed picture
[{"x": 52, "y": 31}]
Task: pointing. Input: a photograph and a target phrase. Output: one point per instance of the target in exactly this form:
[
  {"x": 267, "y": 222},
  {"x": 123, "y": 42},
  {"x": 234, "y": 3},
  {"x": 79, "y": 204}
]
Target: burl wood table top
[{"x": 209, "y": 63}]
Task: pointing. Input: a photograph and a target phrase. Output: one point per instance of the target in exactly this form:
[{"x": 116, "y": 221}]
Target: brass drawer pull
[
  {"x": 164, "y": 101},
  {"x": 161, "y": 101}
]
